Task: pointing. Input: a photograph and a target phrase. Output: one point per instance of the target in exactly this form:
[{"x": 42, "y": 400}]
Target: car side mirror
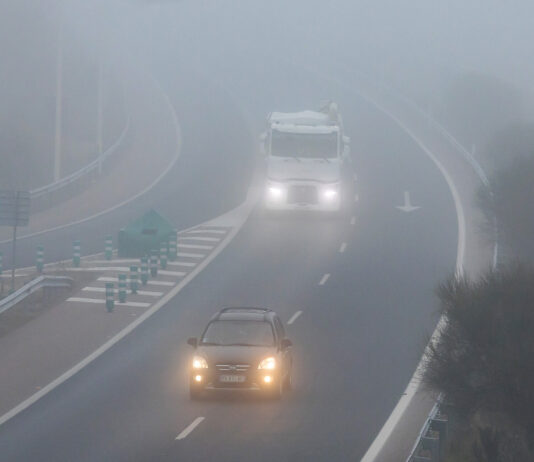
[
  {"x": 192, "y": 341},
  {"x": 285, "y": 344}
]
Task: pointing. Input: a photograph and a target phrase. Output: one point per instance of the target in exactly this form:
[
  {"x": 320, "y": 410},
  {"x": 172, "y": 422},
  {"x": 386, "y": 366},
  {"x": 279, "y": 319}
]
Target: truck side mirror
[
  {"x": 192, "y": 341},
  {"x": 285, "y": 344}
]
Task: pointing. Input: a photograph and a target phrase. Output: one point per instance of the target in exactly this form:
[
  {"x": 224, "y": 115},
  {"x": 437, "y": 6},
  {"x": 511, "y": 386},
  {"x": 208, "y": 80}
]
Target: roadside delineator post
[
  {"x": 163, "y": 250},
  {"x": 122, "y": 288},
  {"x": 76, "y": 253},
  {"x": 110, "y": 297},
  {"x": 134, "y": 283},
  {"x": 173, "y": 245},
  {"x": 144, "y": 270},
  {"x": 39, "y": 259},
  {"x": 108, "y": 250},
  {"x": 154, "y": 263}
]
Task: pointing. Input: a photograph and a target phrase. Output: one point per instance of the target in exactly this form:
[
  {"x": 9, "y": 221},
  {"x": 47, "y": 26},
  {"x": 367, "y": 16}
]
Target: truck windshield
[{"x": 304, "y": 145}]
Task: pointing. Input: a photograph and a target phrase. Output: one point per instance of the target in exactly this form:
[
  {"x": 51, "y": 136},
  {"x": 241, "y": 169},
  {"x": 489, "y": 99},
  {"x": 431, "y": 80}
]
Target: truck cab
[{"x": 306, "y": 154}]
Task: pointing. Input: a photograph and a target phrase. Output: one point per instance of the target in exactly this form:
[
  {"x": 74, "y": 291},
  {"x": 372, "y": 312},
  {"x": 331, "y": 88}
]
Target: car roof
[{"x": 242, "y": 313}]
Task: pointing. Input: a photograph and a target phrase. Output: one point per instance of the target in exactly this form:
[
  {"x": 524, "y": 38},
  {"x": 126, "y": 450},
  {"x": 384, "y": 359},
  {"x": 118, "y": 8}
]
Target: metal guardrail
[
  {"x": 94, "y": 165},
  {"x": 38, "y": 283}
]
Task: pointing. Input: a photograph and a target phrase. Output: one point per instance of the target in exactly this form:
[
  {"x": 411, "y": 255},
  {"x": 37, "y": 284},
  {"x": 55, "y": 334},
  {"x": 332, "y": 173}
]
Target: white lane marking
[
  {"x": 343, "y": 247},
  {"x": 151, "y": 282},
  {"x": 407, "y": 207},
  {"x": 181, "y": 263},
  {"x": 101, "y": 301},
  {"x": 355, "y": 177},
  {"x": 356, "y": 197},
  {"x": 191, "y": 255},
  {"x": 190, "y": 428},
  {"x": 353, "y": 221},
  {"x": 178, "y": 274},
  {"x": 195, "y": 246},
  {"x": 324, "y": 279},
  {"x": 200, "y": 238},
  {"x": 148, "y": 293},
  {"x": 294, "y": 318},
  {"x": 130, "y": 327},
  {"x": 210, "y": 231}
]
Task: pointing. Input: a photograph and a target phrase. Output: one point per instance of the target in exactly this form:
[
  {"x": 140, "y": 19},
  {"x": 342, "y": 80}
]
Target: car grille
[
  {"x": 302, "y": 194},
  {"x": 232, "y": 367}
]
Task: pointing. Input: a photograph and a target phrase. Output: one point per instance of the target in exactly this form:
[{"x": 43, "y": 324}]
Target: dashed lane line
[
  {"x": 100, "y": 301},
  {"x": 190, "y": 428},
  {"x": 294, "y": 318},
  {"x": 356, "y": 197},
  {"x": 324, "y": 279},
  {"x": 353, "y": 221},
  {"x": 343, "y": 247}
]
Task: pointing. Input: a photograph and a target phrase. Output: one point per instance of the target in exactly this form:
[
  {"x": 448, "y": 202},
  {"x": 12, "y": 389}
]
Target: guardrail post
[
  {"x": 39, "y": 259},
  {"x": 109, "y": 248},
  {"x": 134, "y": 284},
  {"x": 173, "y": 245},
  {"x": 122, "y": 288},
  {"x": 144, "y": 270},
  {"x": 163, "y": 255},
  {"x": 77, "y": 252},
  {"x": 110, "y": 297},
  {"x": 154, "y": 263}
]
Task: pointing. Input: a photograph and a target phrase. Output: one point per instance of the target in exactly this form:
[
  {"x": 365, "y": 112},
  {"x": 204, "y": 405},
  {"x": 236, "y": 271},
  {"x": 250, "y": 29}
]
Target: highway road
[{"x": 363, "y": 285}]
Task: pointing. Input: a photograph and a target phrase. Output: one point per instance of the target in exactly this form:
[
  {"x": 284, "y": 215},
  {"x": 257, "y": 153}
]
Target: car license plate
[{"x": 232, "y": 378}]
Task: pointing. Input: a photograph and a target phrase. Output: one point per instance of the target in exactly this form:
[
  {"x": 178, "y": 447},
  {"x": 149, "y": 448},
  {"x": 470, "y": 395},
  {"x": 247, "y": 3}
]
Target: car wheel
[{"x": 276, "y": 392}]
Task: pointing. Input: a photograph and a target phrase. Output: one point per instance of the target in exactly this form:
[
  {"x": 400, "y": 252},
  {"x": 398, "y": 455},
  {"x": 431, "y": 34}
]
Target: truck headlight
[
  {"x": 199, "y": 363},
  {"x": 268, "y": 364},
  {"x": 330, "y": 192}
]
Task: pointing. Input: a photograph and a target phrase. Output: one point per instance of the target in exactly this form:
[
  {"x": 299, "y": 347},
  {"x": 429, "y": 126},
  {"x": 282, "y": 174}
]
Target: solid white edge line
[
  {"x": 324, "y": 279},
  {"x": 123, "y": 333},
  {"x": 414, "y": 384},
  {"x": 190, "y": 428},
  {"x": 294, "y": 318},
  {"x": 343, "y": 247}
]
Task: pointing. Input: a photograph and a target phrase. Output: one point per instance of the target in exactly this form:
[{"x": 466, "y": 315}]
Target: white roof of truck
[{"x": 313, "y": 118}]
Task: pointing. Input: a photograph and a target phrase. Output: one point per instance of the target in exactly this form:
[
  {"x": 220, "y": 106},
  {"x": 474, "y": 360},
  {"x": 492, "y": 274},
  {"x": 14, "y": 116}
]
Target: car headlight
[
  {"x": 275, "y": 192},
  {"x": 268, "y": 364},
  {"x": 199, "y": 363}
]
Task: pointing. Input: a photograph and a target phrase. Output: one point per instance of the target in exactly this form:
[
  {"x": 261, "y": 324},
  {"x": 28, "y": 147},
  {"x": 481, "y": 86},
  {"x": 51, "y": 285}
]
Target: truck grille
[{"x": 302, "y": 194}]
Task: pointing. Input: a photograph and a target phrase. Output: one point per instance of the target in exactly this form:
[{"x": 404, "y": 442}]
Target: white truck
[{"x": 306, "y": 152}]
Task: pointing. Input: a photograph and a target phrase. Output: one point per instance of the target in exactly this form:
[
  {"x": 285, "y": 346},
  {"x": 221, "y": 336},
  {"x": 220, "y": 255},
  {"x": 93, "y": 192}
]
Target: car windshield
[
  {"x": 304, "y": 145},
  {"x": 247, "y": 333}
]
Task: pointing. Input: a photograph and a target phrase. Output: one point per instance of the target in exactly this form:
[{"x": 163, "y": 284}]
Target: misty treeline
[
  {"x": 29, "y": 47},
  {"x": 482, "y": 362}
]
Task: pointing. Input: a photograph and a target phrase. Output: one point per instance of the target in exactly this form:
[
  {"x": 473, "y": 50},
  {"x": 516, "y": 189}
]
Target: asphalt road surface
[{"x": 363, "y": 285}]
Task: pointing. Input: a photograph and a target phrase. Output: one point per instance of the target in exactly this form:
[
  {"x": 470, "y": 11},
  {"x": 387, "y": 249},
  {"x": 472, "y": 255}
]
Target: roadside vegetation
[{"x": 483, "y": 365}]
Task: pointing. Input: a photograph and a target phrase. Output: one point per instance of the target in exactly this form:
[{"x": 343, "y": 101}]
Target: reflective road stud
[
  {"x": 163, "y": 255},
  {"x": 133, "y": 279},
  {"x": 154, "y": 263},
  {"x": 39, "y": 261},
  {"x": 144, "y": 270},
  {"x": 77, "y": 250},
  {"x": 173, "y": 249},
  {"x": 110, "y": 297},
  {"x": 122, "y": 288},
  {"x": 109, "y": 248}
]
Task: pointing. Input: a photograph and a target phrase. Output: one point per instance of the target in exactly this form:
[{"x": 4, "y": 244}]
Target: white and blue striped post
[
  {"x": 76, "y": 253},
  {"x": 110, "y": 297},
  {"x": 39, "y": 259},
  {"x": 134, "y": 279},
  {"x": 154, "y": 263},
  {"x": 122, "y": 288},
  {"x": 144, "y": 270},
  {"x": 108, "y": 249},
  {"x": 173, "y": 245},
  {"x": 163, "y": 255}
]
